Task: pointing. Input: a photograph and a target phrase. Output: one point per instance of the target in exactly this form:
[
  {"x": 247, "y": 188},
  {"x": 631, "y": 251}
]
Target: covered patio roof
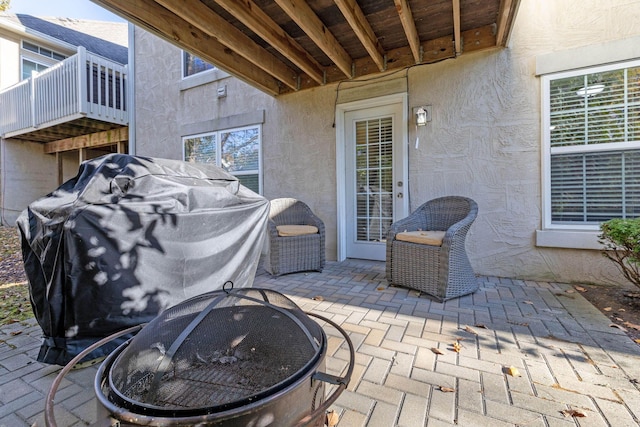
[{"x": 282, "y": 46}]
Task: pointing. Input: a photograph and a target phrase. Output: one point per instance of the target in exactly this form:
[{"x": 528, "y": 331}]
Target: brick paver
[{"x": 566, "y": 354}]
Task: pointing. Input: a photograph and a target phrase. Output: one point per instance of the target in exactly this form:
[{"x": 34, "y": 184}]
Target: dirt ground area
[{"x": 621, "y": 304}]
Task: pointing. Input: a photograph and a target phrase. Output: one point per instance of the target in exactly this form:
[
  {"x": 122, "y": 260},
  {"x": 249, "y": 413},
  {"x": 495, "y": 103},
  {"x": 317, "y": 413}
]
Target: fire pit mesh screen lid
[{"x": 216, "y": 351}]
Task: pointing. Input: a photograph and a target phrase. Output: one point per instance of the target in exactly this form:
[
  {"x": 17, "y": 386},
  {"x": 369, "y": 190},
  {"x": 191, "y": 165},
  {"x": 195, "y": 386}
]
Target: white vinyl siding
[{"x": 591, "y": 133}]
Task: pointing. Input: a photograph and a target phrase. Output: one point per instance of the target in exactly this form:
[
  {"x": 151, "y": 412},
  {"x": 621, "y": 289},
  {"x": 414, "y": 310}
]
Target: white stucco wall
[
  {"x": 27, "y": 175},
  {"x": 484, "y": 140}
]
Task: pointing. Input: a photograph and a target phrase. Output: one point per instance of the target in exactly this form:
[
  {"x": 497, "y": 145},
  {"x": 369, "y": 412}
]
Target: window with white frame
[
  {"x": 42, "y": 51},
  {"x": 236, "y": 150},
  {"x": 592, "y": 145},
  {"x": 28, "y": 67},
  {"x": 30, "y": 62},
  {"x": 192, "y": 64}
]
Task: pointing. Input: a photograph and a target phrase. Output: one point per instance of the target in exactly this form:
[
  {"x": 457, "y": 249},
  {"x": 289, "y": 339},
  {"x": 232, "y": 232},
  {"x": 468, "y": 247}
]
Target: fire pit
[{"x": 230, "y": 357}]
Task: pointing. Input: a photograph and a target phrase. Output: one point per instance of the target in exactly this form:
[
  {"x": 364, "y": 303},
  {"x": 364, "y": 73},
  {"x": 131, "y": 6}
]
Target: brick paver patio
[{"x": 567, "y": 356}]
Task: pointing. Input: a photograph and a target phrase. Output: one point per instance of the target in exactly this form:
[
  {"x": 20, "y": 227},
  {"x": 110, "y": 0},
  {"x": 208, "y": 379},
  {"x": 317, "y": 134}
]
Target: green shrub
[{"x": 621, "y": 239}]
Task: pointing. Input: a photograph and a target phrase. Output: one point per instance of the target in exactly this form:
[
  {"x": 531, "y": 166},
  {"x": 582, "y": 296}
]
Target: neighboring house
[
  {"x": 544, "y": 135},
  {"x": 62, "y": 100}
]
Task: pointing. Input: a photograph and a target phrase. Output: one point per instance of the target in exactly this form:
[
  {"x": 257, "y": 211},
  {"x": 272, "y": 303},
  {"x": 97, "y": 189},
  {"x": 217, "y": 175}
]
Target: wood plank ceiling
[{"x": 282, "y": 46}]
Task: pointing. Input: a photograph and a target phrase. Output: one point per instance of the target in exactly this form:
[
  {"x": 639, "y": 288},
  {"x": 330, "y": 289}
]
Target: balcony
[{"x": 81, "y": 95}]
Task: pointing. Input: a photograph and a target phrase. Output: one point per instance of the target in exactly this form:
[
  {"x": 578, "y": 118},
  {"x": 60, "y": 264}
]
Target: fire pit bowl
[{"x": 247, "y": 357}]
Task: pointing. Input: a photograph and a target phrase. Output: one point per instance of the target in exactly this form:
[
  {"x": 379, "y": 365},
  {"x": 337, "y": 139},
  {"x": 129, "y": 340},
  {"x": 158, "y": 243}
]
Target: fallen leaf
[
  {"x": 637, "y": 340},
  {"x": 446, "y": 389},
  {"x": 480, "y": 325},
  {"x": 471, "y": 331},
  {"x": 613, "y": 325},
  {"x": 457, "y": 347},
  {"x": 380, "y": 289},
  {"x": 318, "y": 298},
  {"x": 581, "y": 289},
  {"x": 332, "y": 419},
  {"x": 621, "y": 310},
  {"x": 436, "y": 351},
  {"x": 570, "y": 291},
  {"x": 572, "y": 413},
  {"x": 518, "y": 323},
  {"x": 632, "y": 326},
  {"x": 513, "y": 371},
  {"x": 607, "y": 309},
  {"x": 14, "y": 333}
]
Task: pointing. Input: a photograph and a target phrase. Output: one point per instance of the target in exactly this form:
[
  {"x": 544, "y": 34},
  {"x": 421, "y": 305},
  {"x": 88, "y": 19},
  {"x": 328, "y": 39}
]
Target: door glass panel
[{"x": 374, "y": 178}]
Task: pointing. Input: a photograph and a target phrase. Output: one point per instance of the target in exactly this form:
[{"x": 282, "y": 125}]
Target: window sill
[
  {"x": 568, "y": 239},
  {"x": 203, "y": 78}
]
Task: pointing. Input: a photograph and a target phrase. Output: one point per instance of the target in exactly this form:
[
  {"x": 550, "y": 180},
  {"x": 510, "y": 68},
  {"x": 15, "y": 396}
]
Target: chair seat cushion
[
  {"x": 296, "y": 230},
  {"x": 433, "y": 238}
]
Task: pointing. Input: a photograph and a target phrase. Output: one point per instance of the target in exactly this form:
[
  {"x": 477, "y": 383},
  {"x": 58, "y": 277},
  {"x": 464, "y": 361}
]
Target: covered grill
[
  {"x": 129, "y": 237},
  {"x": 229, "y": 357}
]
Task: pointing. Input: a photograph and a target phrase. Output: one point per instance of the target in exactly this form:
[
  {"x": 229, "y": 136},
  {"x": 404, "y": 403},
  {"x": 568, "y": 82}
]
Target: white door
[{"x": 375, "y": 192}]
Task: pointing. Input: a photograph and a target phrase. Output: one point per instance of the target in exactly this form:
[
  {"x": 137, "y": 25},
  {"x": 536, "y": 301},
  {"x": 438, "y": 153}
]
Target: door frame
[{"x": 341, "y": 167}]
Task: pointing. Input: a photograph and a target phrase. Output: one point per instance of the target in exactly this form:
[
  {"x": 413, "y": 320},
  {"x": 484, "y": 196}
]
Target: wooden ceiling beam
[
  {"x": 456, "y": 27},
  {"x": 361, "y": 27},
  {"x": 200, "y": 16},
  {"x": 247, "y": 12},
  {"x": 409, "y": 25},
  {"x": 308, "y": 21},
  {"x": 506, "y": 16},
  {"x": 92, "y": 140},
  {"x": 435, "y": 50},
  {"x": 158, "y": 20}
]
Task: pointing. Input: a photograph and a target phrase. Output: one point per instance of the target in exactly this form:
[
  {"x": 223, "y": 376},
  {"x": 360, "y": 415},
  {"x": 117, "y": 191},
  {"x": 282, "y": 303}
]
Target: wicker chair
[
  {"x": 441, "y": 271},
  {"x": 293, "y": 253}
]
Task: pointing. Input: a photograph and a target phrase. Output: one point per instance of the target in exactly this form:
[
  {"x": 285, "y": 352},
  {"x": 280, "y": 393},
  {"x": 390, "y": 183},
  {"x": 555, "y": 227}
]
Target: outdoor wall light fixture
[
  {"x": 588, "y": 91},
  {"x": 423, "y": 115}
]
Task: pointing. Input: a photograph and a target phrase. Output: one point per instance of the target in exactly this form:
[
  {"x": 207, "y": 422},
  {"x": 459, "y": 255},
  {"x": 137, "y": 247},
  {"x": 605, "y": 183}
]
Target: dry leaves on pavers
[
  {"x": 615, "y": 325},
  {"x": 456, "y": 346},
  {"x": 580, "y": 288},
  {"x": 471, "y": 331},
  {"x": 436, "y": 350},
  {"x": 318, "y": 298},
  {"x": 332, "y": 419},
  {"x": 446, "y": 389},
  {"x": 573, "y": 413},
  {"x": 513, "y": 371}
]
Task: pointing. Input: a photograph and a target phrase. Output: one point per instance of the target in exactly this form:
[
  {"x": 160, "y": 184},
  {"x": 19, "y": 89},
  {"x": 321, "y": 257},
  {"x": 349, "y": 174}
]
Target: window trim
[
  {"x": 218, "y": 132},
  {"x": 183, "y": 70},
  {"x": 39, "y": 51},
  {"x": 547, "y": 150}
]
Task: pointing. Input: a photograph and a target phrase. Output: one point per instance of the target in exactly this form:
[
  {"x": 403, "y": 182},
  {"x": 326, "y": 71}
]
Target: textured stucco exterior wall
[
  {"x": 298, "y": 140},
  {"x": 31, "y": 175},
  {"x": 484, "y": 140}
]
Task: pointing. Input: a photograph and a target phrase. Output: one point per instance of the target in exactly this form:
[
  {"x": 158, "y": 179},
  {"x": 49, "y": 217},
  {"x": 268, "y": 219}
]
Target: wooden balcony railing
[{"x": 82, "y": 86}]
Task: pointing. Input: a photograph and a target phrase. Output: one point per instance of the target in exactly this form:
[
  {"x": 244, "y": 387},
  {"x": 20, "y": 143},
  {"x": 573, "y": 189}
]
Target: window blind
[{"x": 589, "y": 113}]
